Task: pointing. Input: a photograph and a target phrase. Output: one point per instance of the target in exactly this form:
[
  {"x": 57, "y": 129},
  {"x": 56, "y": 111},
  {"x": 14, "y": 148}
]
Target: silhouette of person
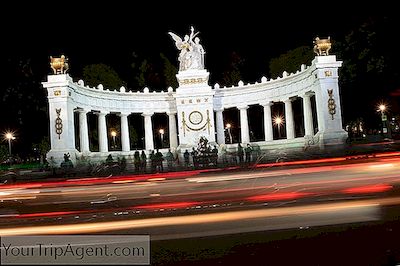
[
  {"x": 186, "y": 156},
  {"x": 240, "y": 153}
]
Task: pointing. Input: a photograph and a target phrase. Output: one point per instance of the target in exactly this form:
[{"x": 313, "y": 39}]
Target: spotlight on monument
[
  {"x": 228, "y": 127},
  {"x": 161, "y": 131},
  {"x": 113, "y": 135},
  {"x": 278, "y": 121}
]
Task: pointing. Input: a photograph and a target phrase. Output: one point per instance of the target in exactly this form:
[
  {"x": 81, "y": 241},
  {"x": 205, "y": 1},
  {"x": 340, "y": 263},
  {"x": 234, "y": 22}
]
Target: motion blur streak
[
  {"x": 368, "y": 189},
  {"x": 168, "y": 205},
  {"x": 327, "y": 160},
  {"x": 280, "y": 196},
  {"x": 199, "y": 218},
  {"x": 46, "y": 214},
  {"x": 190, "y": 175}
]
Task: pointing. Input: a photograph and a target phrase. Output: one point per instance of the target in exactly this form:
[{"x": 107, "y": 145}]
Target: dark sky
[{"x": 110, "y": 33}]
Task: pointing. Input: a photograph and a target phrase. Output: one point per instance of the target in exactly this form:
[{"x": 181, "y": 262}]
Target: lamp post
[
  {"x": 161, "y": 131},
  {"x": 228, "y": 127},
  {"x": 9, "y": 136},
  {"x": 114, "y": 134},
  {"x": 382, "y": 108},
  {"x": 278, "y": 121}
]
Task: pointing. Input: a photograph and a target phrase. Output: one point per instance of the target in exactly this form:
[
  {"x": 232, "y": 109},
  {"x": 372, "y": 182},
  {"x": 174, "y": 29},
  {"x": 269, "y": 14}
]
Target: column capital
[
  {"x": 221, "y": 109},
  {"x": 171, "y": 113},
  {"x": 102, "y": 113},
  {"x": 267, "y": 104},
  {"x": 243, "y": 107},
  {"x": 81, "y": 110},
  {"x": 122, "y": 114},
  {"x": 288, "y": 100},
  {"x": 147, "y": 113},
  {"x": 307, "y": 94}
]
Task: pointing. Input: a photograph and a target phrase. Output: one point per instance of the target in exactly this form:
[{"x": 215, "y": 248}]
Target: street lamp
[
  {"x": 114, "y": 134},
  {"x": 9, "y": 136},
  {"x": 278, "y": 121},
  {"x": 161, "y": 131},
  {"x": 382, "y": 108},
  {"x": 228, "y": 127}
]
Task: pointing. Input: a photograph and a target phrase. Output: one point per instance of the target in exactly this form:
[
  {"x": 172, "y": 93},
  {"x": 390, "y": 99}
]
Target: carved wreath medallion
[{"x": 195, "y": 117}]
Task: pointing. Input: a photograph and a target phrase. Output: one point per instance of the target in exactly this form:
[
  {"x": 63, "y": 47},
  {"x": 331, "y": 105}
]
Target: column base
[{"x": 332, "y": 138}]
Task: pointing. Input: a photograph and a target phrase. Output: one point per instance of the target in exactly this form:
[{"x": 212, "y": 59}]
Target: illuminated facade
[{"x": 195, "y": 109}]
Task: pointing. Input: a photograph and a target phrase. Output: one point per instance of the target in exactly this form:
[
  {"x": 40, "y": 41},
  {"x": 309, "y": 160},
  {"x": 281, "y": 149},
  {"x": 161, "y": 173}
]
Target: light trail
[
  {"x": 197, "y": 219},
  {"x": 185, "y": 174}
]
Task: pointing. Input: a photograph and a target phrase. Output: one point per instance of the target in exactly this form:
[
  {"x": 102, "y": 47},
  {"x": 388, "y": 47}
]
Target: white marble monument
[
  {"x": 195, "y": 109},
  {"x": 194, "y": 97}
]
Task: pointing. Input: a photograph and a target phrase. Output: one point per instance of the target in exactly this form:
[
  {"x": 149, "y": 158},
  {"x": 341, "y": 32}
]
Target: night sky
[{"x": 110, "y": 33}]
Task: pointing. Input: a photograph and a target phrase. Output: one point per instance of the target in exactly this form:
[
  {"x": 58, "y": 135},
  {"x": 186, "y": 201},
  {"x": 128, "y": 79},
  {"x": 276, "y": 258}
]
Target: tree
[
  {"x": 169, "y": 72},
  {"x": 96, "y": 74},
  {"x": 42, "y": 148},
  {"x": 369, "y": 64},
  {"x": 290, "y": 61},
  {"x": 152, "y": 72},
  {"x": 233, "y": 73},
  {"x": 3, "y": 153},
  {"x": 141, "y": 76},
  {"x": 23, "y": 102}
]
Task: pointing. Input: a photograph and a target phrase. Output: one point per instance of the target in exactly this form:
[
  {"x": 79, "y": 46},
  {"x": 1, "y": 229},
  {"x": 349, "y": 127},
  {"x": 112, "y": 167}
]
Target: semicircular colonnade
[{"x": 195, "y": 110}]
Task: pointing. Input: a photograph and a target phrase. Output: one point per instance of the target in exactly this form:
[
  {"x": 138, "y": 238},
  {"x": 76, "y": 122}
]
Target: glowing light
[
  {"x": 228, "y": 125},
  {"x": 113, "y": 133},
  {"x": 382, "y": 107},
  {"x": 278, "y": 120},
  {"x": 208, "y": 218},
  {"x": 380, "y": 166},
  {"x": 161, "y": 131},
  {"x": 9, "y": 136},
  {"x": 368, "y": 189},
  {"x": 279, "y": 196}
]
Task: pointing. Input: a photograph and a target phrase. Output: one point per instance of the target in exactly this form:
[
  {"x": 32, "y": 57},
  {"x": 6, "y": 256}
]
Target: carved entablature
[
  {"x": 193, "y": 81},
  {"x": 59, "y": 65},
  {"x": 322, "y": 46}
]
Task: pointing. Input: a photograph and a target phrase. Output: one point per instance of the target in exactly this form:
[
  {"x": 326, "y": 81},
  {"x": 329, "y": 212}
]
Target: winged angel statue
[{"x": 192, "y": 52}]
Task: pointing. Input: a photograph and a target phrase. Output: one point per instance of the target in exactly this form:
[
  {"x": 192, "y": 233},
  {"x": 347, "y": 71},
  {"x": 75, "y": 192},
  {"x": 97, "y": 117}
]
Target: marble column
[
  {"x": 148, "y": 131},
  {"x": 220, "y": 126},
  {"x": 103, "y": 141},
  {"x": 320, "y": 105},
  {"x": 244, "y": 124},
  {"x": 173, "y": 135},
  {"x": 83, "y": 131},
  {"x": 308, "y": 118},
  {"x": 125, "y": 132},
  {"x": 289, "y": 119},
  {"x": 268, "y": 131}
]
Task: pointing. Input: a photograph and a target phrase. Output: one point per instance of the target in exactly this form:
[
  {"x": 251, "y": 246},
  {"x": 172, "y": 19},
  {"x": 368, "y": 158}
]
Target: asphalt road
[{"x": 196, "y": 204}]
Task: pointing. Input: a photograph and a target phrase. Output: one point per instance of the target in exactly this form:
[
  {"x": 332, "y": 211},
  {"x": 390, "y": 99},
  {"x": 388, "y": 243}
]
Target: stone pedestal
[
  {"x": 61, "y": 117},
  {"x": 194, "y": 103},
  {"x": 327, "y": 96}
]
